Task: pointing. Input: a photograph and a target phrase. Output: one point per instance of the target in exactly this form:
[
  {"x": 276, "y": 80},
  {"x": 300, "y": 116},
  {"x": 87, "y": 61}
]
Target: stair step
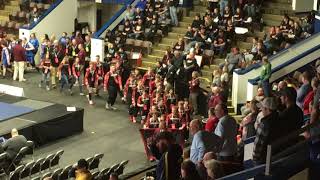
[
  {"x": 199, "y": 8},
  {"x": 244, "y": 45},
  {"x": 157, "y": 52},
  {"x": 162, "y": 46},
  {"x": 187, "y": 19},
  {"x": 180, "y": 30},
  {"x": 277, "y": 5},
  {"x": 14, "y": 3},
  {"x": 4, "y": 18},
  {"x": 269, "y": 22},
  {"x": 12, "y": 8},
  {"x": 175, "y": 35},
  {"x": 5, "y": 13},
  {"x": 170, "y": 41},
  {"x": 272, "y": 17},
  {"x": 278, "y": 11},
  {"x": 194, "y": 13}
]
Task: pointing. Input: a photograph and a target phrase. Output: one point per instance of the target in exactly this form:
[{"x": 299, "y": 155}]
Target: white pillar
[{"x": 97, "y": 48}]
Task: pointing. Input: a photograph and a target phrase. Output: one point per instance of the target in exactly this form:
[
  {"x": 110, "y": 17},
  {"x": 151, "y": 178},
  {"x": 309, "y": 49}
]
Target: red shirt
[
  {"x": 19, "y": 53},
  {"x": 214, "y": 100},
  {"x": 309, "y": 98},
  {"x": 211, "y": 124}
]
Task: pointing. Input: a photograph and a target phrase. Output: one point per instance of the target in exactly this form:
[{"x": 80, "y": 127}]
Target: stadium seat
[
  {"x": 89, "y": 160},
  {"x": 16, "y": 160},
  {"x": 119, "y": 170},
  {"x": 113, "y": 168},
  {"x": 46, "y": 163},
  {"x": 95, "y": 175},
  {"x": 96, "y": 161},
  {"x": 56, "y": 173},
  {"x": 65, "y": 173},
  {"x": 56, "y": 159},
  {"x": 104, "y": 174},
  {"x": 15, "y": 175},
  {"x": 26, "y": 171},
  {"x": 3, "y": 160},
  {"x": 36, "y": 167},
  {"x": 47, "y": 174},
  {"x": 30, "y": 151}
]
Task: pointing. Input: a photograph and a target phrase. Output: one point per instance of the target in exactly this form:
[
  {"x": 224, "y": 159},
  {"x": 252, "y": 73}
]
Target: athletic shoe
[
  {"x": 91, "y": 102},
  {"x": 134, "y": 120},
  {"x": 40, "y": 86},
  {"x": 113, "y": 108},
  {"x": 47, "y": 88},
  {"x": 22, "y": 80},
  {"x": 107, "y": 106},
  {"x": 70, "y": 92},
  {"x": 81, "y": 94}
]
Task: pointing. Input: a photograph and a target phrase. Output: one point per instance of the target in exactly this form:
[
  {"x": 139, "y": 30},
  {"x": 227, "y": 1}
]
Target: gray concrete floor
[{"x": 108, "y": 132}]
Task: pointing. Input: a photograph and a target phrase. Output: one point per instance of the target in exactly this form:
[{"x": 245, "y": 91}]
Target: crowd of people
[{"x": 170, "y": 96}]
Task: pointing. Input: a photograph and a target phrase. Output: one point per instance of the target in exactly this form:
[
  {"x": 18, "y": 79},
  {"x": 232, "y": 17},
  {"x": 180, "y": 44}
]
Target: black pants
[{"x": 112, "y": 91}]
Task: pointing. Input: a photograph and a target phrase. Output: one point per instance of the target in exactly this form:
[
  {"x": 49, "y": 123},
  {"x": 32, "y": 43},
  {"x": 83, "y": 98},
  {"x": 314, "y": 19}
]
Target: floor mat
[
  {"x": 9, "y": 111},
  {"x": 33, "y": 104}
]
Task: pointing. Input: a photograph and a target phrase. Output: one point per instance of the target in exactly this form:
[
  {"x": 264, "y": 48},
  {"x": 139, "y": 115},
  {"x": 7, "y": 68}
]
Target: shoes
[
  {"x": 40, "y": 86},
  {"x": 81, "y": 94},
  {"x": 54, "y": 86},
  {"x": 22, "y": 80},
  {"x": 107, "y": 106},
  {"x": 91, "y": 102},
  {"x": 113, "y": 108},
  {"x": 134, "y": 120},
  {"x": 47, "y": 88},
  {"x": 70, "y": 92}
]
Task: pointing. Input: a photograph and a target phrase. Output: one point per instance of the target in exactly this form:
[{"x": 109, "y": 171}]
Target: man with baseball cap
[{"x": 267, "y": 129}]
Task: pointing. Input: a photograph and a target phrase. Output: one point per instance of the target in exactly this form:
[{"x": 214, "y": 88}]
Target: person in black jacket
[
  {"x": 13, "y": 145},
  {"x": 170, "y": 153}
]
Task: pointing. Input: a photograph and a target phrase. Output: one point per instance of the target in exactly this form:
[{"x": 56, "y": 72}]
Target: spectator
[
  {"x": 227, "y": 131},
  {"x": 212, "y": 121},
  {"x": 19, "y": 58},
  {"x": 291, "y": 118},
  {"x": 215, "y": 97},
  {"x": 265, "y": 76},
  {"x": 233, "y": 59},
  {"x": 307, "y": 102},
  {"x": 214, "y": 169},
  {"x": 304, "y": 89},
  {"x": 35, "y": 43},
  {"x": 5, "y": 58},
  {"x": 189, "y": 171},
  {"x": 29, "y": 51},
  {"x": 247, "y": 122},
  {"x": 201, "y": 166},
  {"x": 168, "y": 167},
  {"x": 113, "y": 176},
  {"x": 194, "y": 85},
  {"x": 173, "y": 5},
  {"x": 202, "y": 142},
  {"x": 223, "y": 4},
  {"x": 267, "y": 131},
  {"x": 34, "y": 15},
  {"x": 13, "y": 145},
  {"x": 81, "y": 171}
]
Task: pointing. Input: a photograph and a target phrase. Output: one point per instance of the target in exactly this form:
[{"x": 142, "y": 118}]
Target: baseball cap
[
  {"x": 268, "y": 102},
  {"x": 289, "y": 92}
]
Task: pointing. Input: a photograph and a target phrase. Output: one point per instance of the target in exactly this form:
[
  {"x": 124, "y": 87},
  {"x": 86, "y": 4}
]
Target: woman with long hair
[{"x": 189, "y": 171}]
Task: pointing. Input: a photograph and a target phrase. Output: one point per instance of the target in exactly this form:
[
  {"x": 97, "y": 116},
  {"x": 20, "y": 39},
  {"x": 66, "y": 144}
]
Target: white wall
[
  {"x": 302, "y": 5},
  {"x": 60, "y": 20},
  {"x": 239, "y": 89},
  {"x": 87, "y": 12}
]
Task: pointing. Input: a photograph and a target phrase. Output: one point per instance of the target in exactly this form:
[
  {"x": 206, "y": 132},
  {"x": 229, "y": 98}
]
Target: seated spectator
[
  {"x": 202, "y": 142},
  {"x": 304, "y": 89},
  {"x": 267, "y": 130},
  {"x": 227, "y": 131},
  {"x": 138, "y": 30},
  {"x": 250, "y": 9},
  {"x": 237, "y": 18},
  {"x": 189, "y": 36},
  {"x": 80, "y": 171},
  {"x": 196, "y": 23},
  {"x": 233, "y": 59},
  {"x": 152, "y": 30},
  {"x": 216, "y": 16},
  {"x": 34, "y": 15},
  {"x": 179, "y": 46},
  {"x": 219, "y": 43},
  {"x": 214, "y": 169},
  {"x": 13, "y": 145},
  {"x": 248, "y": 122},
  {"x": 113, "y": 176},
  {"x": 310, "y": 96},
  {"x": 189, "y": 171},
  {"x": 212, "y": 121},
  {"x": 214, "y": 97}
]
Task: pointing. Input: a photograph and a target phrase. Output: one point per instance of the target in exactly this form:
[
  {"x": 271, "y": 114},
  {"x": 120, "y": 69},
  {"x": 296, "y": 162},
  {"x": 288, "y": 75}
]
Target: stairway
[
  {"x": 11, "y": 7},
  {"x": 273, "y": 12}
]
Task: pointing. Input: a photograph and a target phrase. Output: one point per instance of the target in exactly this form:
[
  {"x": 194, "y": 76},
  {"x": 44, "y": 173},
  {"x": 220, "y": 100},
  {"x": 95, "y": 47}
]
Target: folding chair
[
  {"x": 96, "y": 161},
  {"x": 46, "y": 163},
  {"x": 30, "y": 151},
  {"x": 56, "y": 159},
  {"x": 104, "y": 174},
  {"x": 3, "y": 161},
  {"x": 119, "y": 170},
  {"x": 26, "y": 171},
  {"x": 56, "y": 173},
  {"x": 36, "y": 168},
  {"x": 16, "y": 160},
  {"x": 65, "y": 173},
  {"x": 15, "y": 175}
]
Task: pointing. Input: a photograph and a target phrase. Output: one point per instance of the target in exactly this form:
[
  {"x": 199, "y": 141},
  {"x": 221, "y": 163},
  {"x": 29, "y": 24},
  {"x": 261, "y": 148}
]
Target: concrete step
[
  {"x": 277, "y": 11},
  {"x": 272, "y": 17},
  {"x": 12, "y": 8},
  {"x": 193, "y": 13},
  {"x": 281, "y": 1},
  {"x": 187, "y": 19},
  {"x": 15, "y": 3},
  {"x": 157, "y": 52},
  {"x": 180, "y": 30},
  {"x": 270, "y": 22},
  {"x": 151, "y": 58},
  {"x": 147, "y": 64},
  {"x": 170, "y": 41},
  {"x": 175, "y": 35},
  {"x": 162, "y": 46},
  {"x": 5, "y": 12},
  {"x": 4, "y": 18},
  {"x": 198, "y": 8},
  {"x": 184, "y": 24},
  {"x": 277, "y": 5},
  {"x": 244, "y": 45}
]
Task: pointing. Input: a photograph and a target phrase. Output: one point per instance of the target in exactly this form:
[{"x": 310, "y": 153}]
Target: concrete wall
[
  {"x": 302, "y": 5},
  {"x": 87, "y": 12}
]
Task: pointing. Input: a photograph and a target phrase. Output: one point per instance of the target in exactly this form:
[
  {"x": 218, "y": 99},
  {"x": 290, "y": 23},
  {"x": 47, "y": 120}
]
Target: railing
[
  {"x": 272, "y": 57},
  {"x": 48, "y": 11}
]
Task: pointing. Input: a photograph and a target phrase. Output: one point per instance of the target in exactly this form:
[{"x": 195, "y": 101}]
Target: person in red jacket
[
  {"x": 112, "y": 82},
  {"x": 212, "y": 121},
  {"x": 77, "y": 74},
  {"x": 91, "y": 79},
  {"x": 144, "y": 105},
  {"x": 101, "y": 73},
  {"x": 19, "y": 58},
  {"x": 133, "y": 108}
]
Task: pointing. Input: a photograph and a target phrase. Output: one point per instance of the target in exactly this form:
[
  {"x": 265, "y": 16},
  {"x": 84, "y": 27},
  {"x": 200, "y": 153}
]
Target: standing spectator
[
  {"x": 45, "y": 72},
  {"x": 227, "y": 131},
  {"x": 202, "y": 142},
  {"x": 19, "y": 57},
  {"x": 63, "y": 39},
  {"x": 247, "y": 122},
  {"x": 35, "y": 43},
  {"x": 29, "y": 50},
  {"x": 56, "y": 55},
  {"x": 267, "y": 129},
  {"x": 265, "y": 76},
  {"x": 304, "y": 89},
  {"x": 168, "y": 167},
  {"x": 223, "y": 4},
  {"x": 173, "y": 5},
  {"x": 291, "y": 118},
  {"x": 212, "y": 121},
  {"x": 5, "y": 57},
  {"x": 194, "y": 85},
  {"x": 189, "y": 171}
]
